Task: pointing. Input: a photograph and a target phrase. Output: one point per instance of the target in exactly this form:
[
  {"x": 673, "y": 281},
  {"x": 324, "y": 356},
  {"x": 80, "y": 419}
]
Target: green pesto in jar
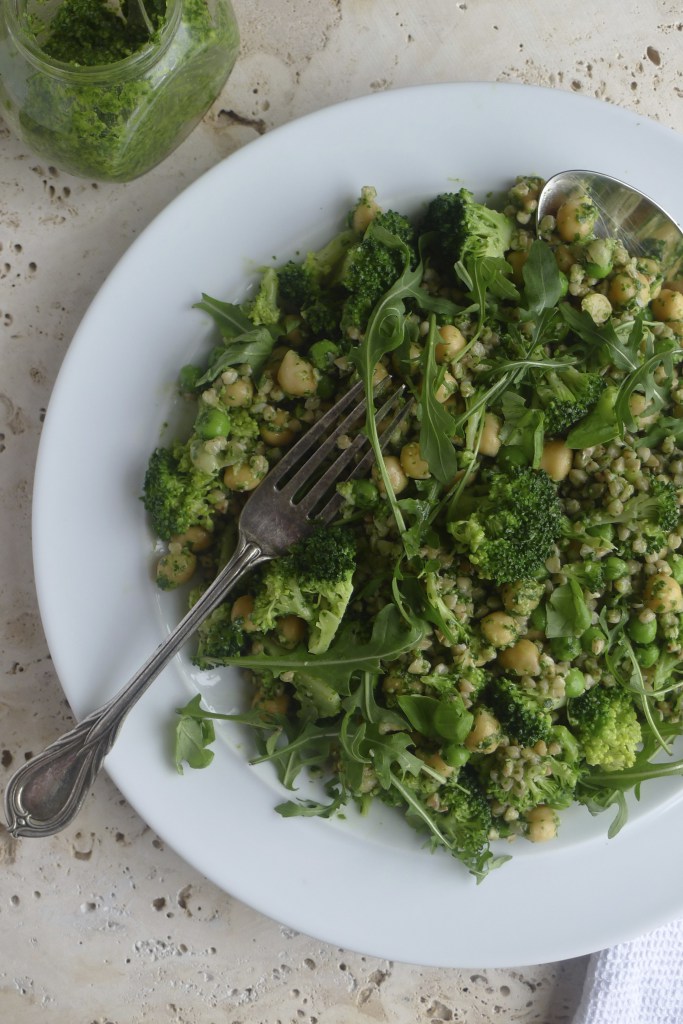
[
  {"x": 99, "y": 97},
  {"x": 86, "y": 33}
]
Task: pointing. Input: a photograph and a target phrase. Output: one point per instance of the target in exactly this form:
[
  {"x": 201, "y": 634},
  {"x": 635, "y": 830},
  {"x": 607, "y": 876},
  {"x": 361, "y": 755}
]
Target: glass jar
[{"x": 114, "y": 121}]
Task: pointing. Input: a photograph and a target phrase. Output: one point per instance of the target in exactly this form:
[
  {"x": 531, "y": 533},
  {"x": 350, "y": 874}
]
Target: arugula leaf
[
  {"x": 543, "y": 285},
  {"x": 602, "y": 339},
  {"x": 600, "y": 426},
  {"x": 436, "y": 424},
  {"x": 391, "y": 636},
  {"x": 245, "y": 343},
  {"x": 230, "y": 319}
]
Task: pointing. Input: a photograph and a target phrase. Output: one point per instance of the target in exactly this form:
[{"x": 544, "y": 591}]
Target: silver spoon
[{"x": 623, "y": 212}]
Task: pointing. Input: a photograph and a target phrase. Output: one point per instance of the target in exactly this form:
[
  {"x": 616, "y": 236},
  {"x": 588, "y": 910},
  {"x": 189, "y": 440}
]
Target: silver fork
[{"x": 46, "y": 793}]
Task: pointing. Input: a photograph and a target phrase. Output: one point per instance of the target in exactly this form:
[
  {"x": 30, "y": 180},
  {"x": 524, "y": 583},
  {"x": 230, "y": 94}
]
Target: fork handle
[{"x": 46, "y": 793}]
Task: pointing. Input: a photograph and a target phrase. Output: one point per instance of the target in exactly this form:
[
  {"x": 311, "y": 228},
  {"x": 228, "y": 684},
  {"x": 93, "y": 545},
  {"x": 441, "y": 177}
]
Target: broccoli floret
[
  {"x": 465, "y": 819},
  {"x": 463, "y": 228},
  {"x": 327, "y": 555},
  {"x": 525, "y": 718},
  {"x": 606, "y": 725},
  {"x": 264, "y": 309},
  {"x": 566, "y": 396},
  {"x": 314, "y": 581},
  {"x": 298, "y": 287},
  {"x": 369, "y": 270},
  {"x": 509, "y": 530},
  {"x": 653, "y": 514},
  {"x": 397, "y": 224},
  {"x": 523, "y": 783},
  {"x": 219, "y": 639},
  {"x": 176, "y": 493}
]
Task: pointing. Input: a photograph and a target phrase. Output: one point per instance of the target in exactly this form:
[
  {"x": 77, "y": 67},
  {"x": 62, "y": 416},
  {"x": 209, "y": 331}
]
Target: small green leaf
[
  {"x": 566, "y": 611},
  {"x": 543, "y": 285}
]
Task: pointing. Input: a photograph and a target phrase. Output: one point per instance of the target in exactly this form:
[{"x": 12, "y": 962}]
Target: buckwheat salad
[{"x": 492, "y": 631}]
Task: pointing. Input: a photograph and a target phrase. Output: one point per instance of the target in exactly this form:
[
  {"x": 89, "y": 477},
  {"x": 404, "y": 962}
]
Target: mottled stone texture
[{"x": 102, "y": 923}]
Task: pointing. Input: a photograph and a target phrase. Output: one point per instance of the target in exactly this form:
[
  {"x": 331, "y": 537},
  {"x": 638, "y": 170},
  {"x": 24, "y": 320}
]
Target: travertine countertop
[{"x": 101, "y": 923}]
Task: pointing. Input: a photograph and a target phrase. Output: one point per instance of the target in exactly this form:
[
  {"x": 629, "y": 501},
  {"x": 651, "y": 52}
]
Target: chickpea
[
  {"x": 490, "y": 442},
  {"x": 397, "y": 478},
  {"x": 452, "y": 342},
  {"x": 668, "y": 305},
  {"x": 663, "y": 594},
  {"x": 241, "y": 477},
  {"x": 291, "y": 628},
  {"x": 196, "y": 538},
  {"x": 436, "y": 762},
  {"x": 238, "y": 394},
  {"x": 517, "y": 259},
  {"x": 407, "y": 365},
  {"x": 278, "y": 432},
  {"x": 575, "y": 218},
  {"x": 542, "y": 824},
  {"x": 412, "y": 463},
  {"x": 623, "y": 289},
  {"x": 522, "y": 596},
  {"x": 484, "y": 736},
  {"x": 175, "y": 568},
  {"x": 598, "y": 307},
  {"x": 637, "y": 405},
  {"x": 556, "y": 460},
  {"x": 296, "y": 376},
  {"x": 379, "y": 374},
  {"x": 242, "y": 609},
  {"x": 277, "y": 705},
  {"x": 499, "y": 629},
  {"x": 522, "y": 659}
]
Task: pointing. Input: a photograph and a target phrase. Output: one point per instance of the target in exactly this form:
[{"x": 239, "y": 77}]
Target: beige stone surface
[{"x": 102, "y": 923}]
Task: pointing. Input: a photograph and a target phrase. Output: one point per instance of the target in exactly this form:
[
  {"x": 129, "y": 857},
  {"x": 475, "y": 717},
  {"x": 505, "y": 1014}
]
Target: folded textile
[{"x": 637, "y": 982}]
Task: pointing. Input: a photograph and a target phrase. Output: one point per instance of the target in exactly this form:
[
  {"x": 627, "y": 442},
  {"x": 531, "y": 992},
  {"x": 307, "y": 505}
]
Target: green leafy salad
[{"x": 492, "y": 631}]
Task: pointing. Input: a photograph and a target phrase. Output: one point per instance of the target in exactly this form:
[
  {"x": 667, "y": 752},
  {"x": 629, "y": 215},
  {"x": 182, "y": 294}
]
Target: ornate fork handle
[{"x": 46, "y": 793}]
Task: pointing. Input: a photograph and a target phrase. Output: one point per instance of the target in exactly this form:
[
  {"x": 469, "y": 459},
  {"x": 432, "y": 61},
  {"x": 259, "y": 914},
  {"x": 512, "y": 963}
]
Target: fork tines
[{"x": 308, "y": 481}]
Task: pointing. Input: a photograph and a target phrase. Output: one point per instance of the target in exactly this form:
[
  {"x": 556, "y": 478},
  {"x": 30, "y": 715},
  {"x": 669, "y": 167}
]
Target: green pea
[
  {"x": 213, "y": 423},
  {"x": 326, "y": 387},
  {"x": 455, "y": 755},
  {"x": 605, "y": 531},
  {"x": 574, "y": 682},
  {"x": 647, "y": 656},
  {"x": 565, "y": 648},
  {"x": 564, "y": 284},
  {"x": 642, "y": 632},
  {"x": 593, "y": 640},
  {"x": 539, "y": 618},
  {"x": 676, "y": 563},
  {"x": 323, "y": 353},
  {"x": 615, "y": 568}
]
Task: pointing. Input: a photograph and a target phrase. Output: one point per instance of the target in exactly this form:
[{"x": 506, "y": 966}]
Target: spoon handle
[{"x": 47, "y": 792}]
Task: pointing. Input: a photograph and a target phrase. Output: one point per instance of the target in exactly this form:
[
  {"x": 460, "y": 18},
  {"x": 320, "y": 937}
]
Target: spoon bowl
[{"x": 623, "y": 212}]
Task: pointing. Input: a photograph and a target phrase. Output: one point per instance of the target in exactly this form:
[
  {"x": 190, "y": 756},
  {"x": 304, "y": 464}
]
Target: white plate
[{"x": 361, "y": 884}]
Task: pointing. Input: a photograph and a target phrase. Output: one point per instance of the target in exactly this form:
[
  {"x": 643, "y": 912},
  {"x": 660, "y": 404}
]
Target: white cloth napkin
[{"x": 637, "y": 982}]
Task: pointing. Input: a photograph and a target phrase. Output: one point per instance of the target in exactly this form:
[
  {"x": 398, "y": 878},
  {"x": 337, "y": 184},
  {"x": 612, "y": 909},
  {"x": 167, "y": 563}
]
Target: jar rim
[{"x": 127, "y": 67}]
